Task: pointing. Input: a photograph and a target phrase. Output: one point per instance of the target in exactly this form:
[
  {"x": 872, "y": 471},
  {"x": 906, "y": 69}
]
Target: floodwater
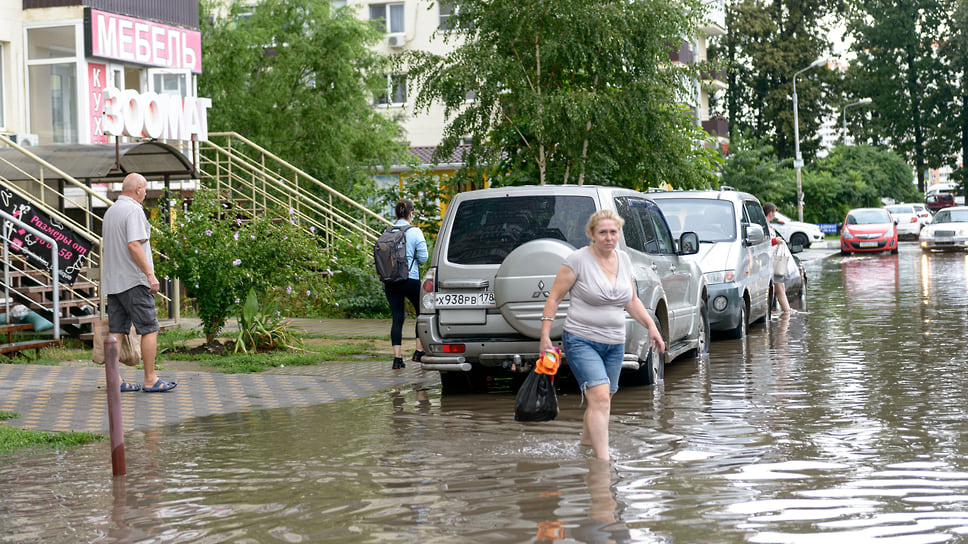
[{"x": 846, "y": 423}]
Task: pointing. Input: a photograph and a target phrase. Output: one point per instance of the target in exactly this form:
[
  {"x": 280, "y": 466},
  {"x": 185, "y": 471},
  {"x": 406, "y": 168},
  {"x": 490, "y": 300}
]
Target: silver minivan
[
  {"x": 495, "y": 260},
  {"x": 734, "y": 252}
]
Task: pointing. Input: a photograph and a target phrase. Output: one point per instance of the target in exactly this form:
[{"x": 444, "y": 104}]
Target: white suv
[{"x": 495, "y": 260}]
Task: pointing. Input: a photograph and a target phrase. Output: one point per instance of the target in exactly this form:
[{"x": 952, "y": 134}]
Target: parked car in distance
[
  {"x": 949, "y": 231},
  {"x": 796, "y": 233},
  {"x": 868, "y": 230},
  {"x": 495, "y": 260},
  {"x": 734, "y": 252},
  {"x": 939, "y": 201},
  {"x": 923, "y": 213},
  {"x": 906, "y": 219}
]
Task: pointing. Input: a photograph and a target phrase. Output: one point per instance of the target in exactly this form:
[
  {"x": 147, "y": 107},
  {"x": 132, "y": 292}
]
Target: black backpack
[{"x": 390, "y": 255}]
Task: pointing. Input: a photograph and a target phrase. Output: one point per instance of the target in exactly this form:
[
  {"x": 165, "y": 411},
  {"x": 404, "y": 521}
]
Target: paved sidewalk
[{"x": 73, "y": 398}]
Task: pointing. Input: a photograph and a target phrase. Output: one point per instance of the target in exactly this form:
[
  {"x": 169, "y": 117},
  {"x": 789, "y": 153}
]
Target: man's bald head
[{"x": 134, "y": 186}]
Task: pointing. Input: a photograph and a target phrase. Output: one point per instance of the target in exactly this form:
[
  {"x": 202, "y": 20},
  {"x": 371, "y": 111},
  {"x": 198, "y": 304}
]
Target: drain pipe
[{"x": 115, "y": 425}]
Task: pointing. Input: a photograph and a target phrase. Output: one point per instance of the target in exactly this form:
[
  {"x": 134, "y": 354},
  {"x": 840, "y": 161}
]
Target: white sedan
[
  {"x": 907, "y": 220},
  {"x": 796, "y": 233},
  {"x": 949, "y": 230}
]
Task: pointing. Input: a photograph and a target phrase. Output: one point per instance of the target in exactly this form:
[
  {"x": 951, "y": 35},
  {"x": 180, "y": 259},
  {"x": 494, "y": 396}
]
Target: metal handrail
[{"x": 329, "y": 218}]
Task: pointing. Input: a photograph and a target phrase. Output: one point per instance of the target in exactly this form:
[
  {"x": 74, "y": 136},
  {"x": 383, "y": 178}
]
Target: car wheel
[
  {"x": 800, "y": 239},
  {"x": 651, "y": 368},
  {"x": 702, "y": 347},
  {"x": 743, "y": 327}
]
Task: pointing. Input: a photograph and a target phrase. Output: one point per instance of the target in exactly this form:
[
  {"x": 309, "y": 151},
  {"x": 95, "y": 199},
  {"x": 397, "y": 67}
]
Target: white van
[{"x": 734, "y": 252}]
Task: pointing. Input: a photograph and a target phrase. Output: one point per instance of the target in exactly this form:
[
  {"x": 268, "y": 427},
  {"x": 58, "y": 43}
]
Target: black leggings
[{"x": 396, "y": 293}]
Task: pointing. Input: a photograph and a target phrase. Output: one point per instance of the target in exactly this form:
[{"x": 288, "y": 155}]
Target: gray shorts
[{"x": 134, "y": 306}]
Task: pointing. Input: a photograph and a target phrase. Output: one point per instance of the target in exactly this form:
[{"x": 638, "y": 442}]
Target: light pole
[
  {"x": 798, "y": 159},
  {"x": 861, "y": 101}
]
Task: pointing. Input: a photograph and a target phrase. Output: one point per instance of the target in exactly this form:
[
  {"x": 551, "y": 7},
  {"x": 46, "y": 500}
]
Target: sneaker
[
  {"x": 398, "y": 363},
  {"x": 417, "y": 355}
]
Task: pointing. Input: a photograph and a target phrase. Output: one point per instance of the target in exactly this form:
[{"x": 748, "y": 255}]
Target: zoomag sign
[
  {"x": 152, "y": 115},
  {"x": 126, "y": 39}
]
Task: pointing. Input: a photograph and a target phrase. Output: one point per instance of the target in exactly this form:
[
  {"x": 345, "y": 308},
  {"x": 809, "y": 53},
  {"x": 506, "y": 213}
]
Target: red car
[
  {"x": 939, "y": 201},
  {"x": 868, "y": 230}
]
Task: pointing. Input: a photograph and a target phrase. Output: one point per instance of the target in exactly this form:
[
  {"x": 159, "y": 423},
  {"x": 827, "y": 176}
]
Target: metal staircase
[{"x": 250, "y": 177}]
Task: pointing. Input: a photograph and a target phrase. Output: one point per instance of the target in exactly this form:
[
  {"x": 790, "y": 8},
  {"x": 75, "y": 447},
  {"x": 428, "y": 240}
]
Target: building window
[
  {"x": 52, "y": 60},
  {"x": 396, "y": 92},
  {"x": 388, "y": 17},
  {"x": 444, "y": 11}
]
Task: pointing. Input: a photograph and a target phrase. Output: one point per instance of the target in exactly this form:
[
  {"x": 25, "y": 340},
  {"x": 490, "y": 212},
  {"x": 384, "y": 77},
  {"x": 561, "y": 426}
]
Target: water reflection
[{"x": 842, "y": 424}]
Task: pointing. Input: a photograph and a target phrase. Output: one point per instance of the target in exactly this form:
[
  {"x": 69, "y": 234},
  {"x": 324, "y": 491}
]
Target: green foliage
[
  {"x": 262, "y": 329},
  {"x": 901, "y": 67},
  {"x": 13, "y": 439},
  {"x": 298, "y": 77},
  {"x": 849, "y": 177},
  {"x": 235, "y": 363},
  {"x": 356, "y": 289},
  {"x": 427, "y": 191},
  {"x": 567, "y": 91},
  {"x": 219, "y": 256},
  {"x": 768, "y": 42}
]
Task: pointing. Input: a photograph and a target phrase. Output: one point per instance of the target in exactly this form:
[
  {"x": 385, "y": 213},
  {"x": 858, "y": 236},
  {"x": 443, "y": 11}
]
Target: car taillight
[
  {"x": 453, "y": 348},
  {"x": 914, "y": 219}
]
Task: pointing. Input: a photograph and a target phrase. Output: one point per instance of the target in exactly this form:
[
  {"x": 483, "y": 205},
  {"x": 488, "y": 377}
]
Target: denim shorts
[
  {"x": 135, "y": 306},
  {"x": 593, "y": 363}
]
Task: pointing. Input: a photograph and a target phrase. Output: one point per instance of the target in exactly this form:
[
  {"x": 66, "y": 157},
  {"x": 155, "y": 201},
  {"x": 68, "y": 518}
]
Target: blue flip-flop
[
  {"x": 127, "y": 387},
  {"x": 160, "y": 386}
]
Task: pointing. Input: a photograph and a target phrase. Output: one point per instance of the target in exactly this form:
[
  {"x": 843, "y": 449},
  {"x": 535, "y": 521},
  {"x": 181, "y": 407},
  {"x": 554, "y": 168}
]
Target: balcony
[
  {"x": 717, "y": 127},
  {"x": 684, "y": 54}
]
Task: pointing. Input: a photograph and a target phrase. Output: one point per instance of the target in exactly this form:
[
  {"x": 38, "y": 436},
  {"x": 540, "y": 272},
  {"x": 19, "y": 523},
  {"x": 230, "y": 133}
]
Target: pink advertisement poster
[
  {"x": 97, "y": 76},
  {"x": 117, "y": 37}
]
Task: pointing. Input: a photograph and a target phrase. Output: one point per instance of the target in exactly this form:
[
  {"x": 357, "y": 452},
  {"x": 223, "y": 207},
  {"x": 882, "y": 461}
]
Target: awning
[{"x": 97, "y": 162}]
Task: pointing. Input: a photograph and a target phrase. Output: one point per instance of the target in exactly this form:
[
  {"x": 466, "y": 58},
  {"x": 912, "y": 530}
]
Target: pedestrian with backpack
[{"x": 398, "y": 254}]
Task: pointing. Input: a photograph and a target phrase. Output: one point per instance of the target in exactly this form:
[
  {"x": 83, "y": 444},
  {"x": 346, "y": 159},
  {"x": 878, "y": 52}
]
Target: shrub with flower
[{"x": 220, "y": 253}]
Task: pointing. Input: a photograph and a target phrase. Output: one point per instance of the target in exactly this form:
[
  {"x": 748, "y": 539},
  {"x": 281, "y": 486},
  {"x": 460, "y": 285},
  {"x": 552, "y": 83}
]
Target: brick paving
[{"x": 73, "y": 398}]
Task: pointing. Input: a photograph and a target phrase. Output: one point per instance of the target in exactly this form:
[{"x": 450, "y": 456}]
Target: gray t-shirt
[
  {"x": 597, "y": 309},
  {"x": 124, "y": 222}
]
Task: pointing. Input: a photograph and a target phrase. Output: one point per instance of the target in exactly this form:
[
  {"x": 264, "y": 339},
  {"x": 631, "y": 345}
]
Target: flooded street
[{"x": 844, "y": 423}]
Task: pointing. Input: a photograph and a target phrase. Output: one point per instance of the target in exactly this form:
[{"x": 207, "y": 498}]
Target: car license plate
[
  {"x": 867, "y": 244},
  {"x": 450, "y": 300}
]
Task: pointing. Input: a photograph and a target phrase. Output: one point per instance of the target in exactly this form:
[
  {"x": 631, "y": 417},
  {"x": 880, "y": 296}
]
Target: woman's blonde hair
[{"x": 600, "y": 216}]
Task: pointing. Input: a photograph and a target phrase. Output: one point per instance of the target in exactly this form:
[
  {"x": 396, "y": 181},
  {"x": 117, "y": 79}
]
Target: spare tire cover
[{"x": 524, "y": 280}]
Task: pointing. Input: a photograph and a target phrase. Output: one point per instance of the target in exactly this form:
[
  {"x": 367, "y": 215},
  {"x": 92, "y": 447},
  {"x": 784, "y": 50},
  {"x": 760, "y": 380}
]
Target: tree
[
  {"x": 567, "y": 91},
  {"x": 848, "y": 177},
  {"x": 900, "y": 66},
  {"x": 298, "y": 77},
  {"x": 220, "y": 257},
  {"x": 766, "y": 44},
  {"x": 957, "y": 52}
]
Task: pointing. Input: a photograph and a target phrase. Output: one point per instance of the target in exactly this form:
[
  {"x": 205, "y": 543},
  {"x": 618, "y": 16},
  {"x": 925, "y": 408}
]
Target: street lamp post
[
  {"x": 861, "y": 101},
  {"x": 798, "y": 158}
]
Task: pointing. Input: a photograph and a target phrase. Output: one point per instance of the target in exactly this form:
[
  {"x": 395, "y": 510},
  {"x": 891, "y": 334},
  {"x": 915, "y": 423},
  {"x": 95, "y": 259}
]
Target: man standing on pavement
[{"x": 128, "y": 278}]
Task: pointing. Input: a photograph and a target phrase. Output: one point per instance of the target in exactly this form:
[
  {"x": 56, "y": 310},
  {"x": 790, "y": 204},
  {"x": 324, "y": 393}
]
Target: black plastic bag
[{"x": 536, "y": 399}]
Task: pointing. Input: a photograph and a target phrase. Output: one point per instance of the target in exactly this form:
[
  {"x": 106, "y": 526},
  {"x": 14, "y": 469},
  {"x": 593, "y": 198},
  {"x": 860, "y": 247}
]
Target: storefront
[{"x": 72, "y": 50}]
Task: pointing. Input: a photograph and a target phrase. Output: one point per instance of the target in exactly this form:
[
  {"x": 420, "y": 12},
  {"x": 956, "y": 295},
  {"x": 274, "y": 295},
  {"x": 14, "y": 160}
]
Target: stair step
[
  {"x": 27, "y": 344},
  {"x": 5, "y": 328}
]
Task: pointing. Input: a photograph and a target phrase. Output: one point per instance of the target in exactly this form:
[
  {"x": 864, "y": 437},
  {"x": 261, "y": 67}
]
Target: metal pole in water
[{"x": 114, "y": 404}]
